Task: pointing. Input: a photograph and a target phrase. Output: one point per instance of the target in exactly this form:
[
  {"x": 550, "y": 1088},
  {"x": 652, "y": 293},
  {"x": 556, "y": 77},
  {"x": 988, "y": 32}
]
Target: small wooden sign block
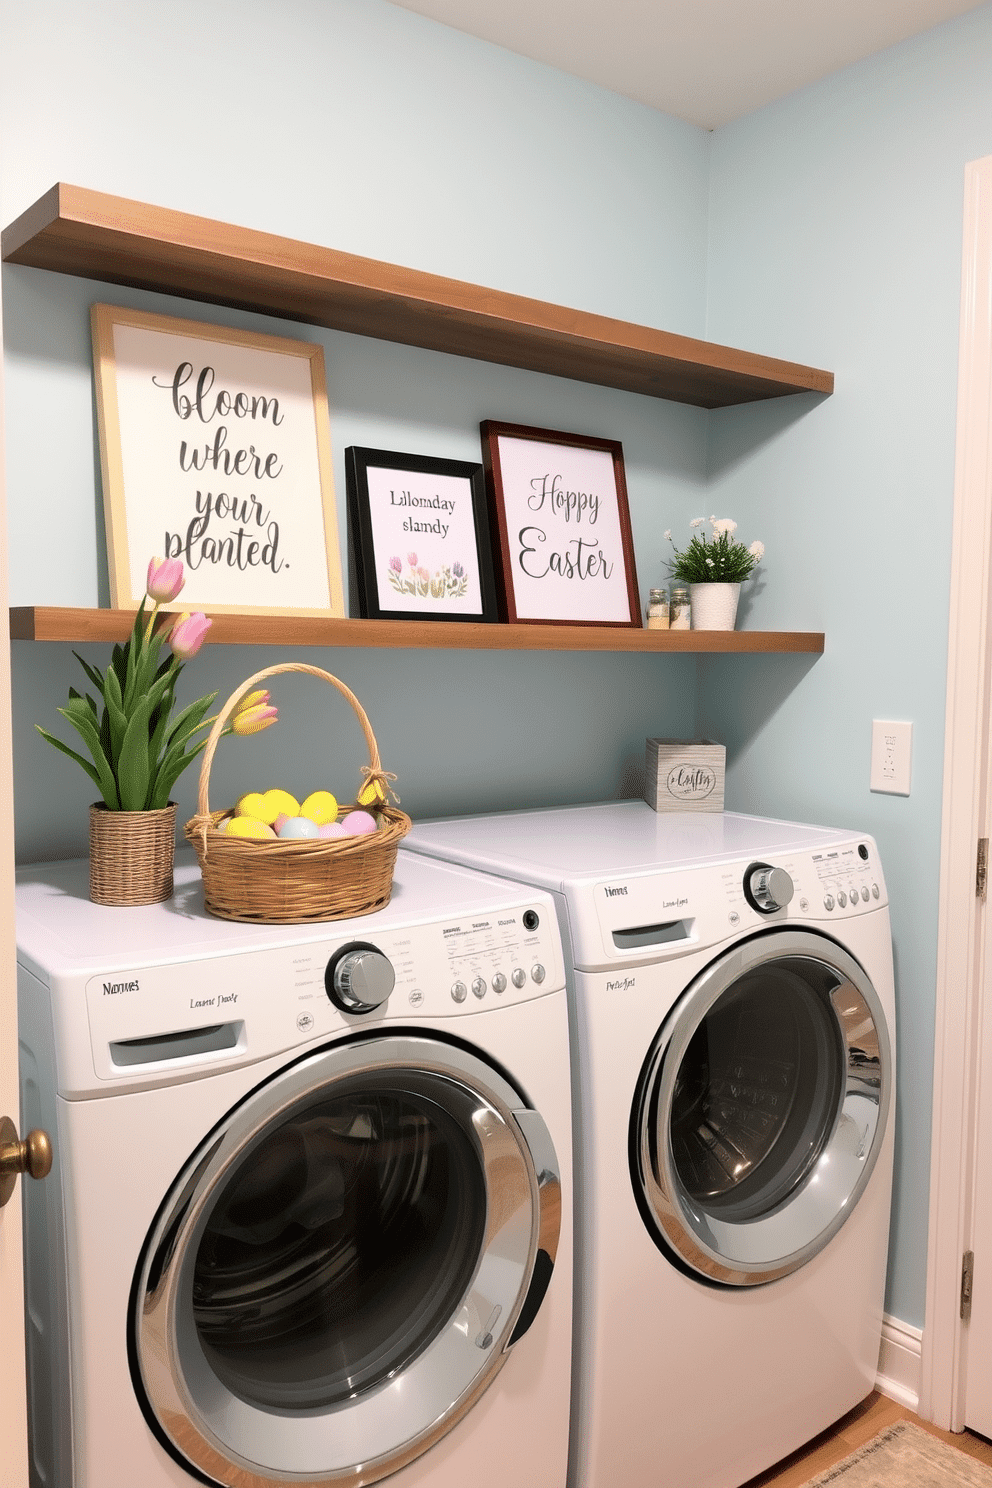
[{"x": 684, "y": 774}]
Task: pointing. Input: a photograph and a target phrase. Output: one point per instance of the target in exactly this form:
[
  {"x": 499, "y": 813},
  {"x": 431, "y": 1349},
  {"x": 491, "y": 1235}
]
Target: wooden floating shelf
[
  {"x": 71, "y": 230},
  {"x": 49, "y": 623}
]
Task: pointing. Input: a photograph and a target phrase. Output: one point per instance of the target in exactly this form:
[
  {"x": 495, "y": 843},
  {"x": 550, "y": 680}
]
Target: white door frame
[
  {"x": 965, "y": 818},
  {"x": 13, "y": 1410}
]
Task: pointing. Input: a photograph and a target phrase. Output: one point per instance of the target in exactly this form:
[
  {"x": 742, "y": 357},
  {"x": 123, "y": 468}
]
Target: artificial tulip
[
  {"x": 165, "y": 579},
  {"x": 188, "y": 634},
  {"x": 253, "y": 720}
]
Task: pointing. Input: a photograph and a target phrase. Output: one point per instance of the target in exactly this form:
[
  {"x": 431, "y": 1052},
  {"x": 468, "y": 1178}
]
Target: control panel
[
  {"x": 655, "y": 916},
  {"x": 251, "y": 1004}
]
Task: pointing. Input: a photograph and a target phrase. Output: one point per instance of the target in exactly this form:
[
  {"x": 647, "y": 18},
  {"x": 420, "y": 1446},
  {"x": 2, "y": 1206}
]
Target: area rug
[{"x": 906, "y": 1456}]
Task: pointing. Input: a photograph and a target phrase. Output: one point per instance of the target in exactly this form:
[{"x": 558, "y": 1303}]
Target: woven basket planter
[
  {"x": 293, "y": 882},
  {"x": 131, "y": 855}
]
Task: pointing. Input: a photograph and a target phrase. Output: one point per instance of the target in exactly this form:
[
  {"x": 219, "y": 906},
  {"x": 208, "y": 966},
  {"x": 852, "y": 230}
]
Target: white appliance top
[
  {"x": 163, "y": 992},
  {"x": 639, "y": 885},
  {"x": 566, "y": 845},
  {"x": 61, "y": 932}
]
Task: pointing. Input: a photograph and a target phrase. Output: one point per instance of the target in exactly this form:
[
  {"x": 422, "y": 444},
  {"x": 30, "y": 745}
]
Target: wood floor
[{"x": 871, "y": 1417}]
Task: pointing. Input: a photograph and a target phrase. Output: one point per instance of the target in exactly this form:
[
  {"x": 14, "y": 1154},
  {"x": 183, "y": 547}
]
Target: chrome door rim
[
  {"x": 521, "y": 1172},
  {"x": 764, "y": 1249}
]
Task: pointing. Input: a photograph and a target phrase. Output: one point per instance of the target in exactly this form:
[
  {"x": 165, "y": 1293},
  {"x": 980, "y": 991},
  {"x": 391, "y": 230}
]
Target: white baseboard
[{"x": 899, "y": 1362}]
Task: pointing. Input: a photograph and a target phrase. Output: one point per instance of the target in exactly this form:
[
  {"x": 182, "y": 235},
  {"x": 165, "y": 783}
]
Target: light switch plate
[{"x": 891, "y": 756}]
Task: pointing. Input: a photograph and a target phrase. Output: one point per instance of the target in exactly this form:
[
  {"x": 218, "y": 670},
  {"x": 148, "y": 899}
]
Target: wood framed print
[
  {"x": 421, "y": 537},
  {"x": 215, "y": 448},
  {"x": 559, "y": 503}
]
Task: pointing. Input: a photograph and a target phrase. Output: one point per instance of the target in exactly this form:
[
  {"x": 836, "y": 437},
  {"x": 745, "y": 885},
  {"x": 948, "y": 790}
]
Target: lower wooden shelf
[{"x": 53, "y": 623}]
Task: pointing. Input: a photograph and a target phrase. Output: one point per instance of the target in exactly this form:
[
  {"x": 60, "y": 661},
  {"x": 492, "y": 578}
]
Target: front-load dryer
[
  {"x": 733, "y": 1024},
  {"x": 305, "y": 1223}
]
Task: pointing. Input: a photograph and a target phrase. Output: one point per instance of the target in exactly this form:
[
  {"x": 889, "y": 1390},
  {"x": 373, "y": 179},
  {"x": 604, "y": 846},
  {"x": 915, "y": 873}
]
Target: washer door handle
[{"x": 545, "y": 1160}]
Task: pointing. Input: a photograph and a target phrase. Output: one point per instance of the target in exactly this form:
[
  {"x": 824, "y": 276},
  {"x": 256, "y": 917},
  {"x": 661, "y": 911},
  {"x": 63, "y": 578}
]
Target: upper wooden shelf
[
  {"x": 74, "y": 231},
  {"x": 40, "y": 623}
]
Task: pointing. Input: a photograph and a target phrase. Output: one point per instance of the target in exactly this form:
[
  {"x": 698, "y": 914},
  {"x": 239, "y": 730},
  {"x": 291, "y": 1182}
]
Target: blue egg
[{"x": 298, "y": 826}]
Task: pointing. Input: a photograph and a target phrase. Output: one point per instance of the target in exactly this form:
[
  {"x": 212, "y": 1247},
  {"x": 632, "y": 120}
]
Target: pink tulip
[
  {"x": 165, "y": 579},
  {"x": 188, "y": 634},
  {"x": 253, "y": 720}
]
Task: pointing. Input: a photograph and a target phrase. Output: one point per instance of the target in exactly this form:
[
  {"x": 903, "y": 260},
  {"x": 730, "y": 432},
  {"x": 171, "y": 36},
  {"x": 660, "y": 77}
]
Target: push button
[
  {"x": 537, "y": 972},
  {"x": 459, "y": 992},
  {"x": 499, "y": 982},
  {"x": 865, "y": 895},
  {"x": 478, "y": 987},
  {"x": 874, "y": 891},
  {"x": 842, "y": 898},
  {"x": 828, "y": 901},
  {"x": 518, "y": 976}
]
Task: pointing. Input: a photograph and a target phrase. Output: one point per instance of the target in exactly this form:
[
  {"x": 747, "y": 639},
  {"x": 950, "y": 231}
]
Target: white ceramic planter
[{"x": 714, "y": 606}]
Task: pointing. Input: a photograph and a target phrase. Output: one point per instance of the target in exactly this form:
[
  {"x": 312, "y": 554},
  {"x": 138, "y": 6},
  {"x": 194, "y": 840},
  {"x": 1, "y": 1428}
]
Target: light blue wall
[
  {"x": 824, "y": 229},
  {"x": 835, "y": 238},
  {"x": 356, "y": 124}
]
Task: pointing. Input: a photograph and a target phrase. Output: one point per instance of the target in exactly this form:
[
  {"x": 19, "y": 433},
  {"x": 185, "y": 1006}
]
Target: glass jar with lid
[
  {"x": 680, "y": 611},
  {"x": 656, "y": 614}
]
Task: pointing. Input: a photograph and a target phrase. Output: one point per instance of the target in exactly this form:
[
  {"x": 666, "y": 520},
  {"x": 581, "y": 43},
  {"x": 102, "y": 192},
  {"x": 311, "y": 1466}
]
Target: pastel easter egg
[
  {"x": 298, "y": 826},
  {"x": 357, "y": 822},
  {"x": 255, "y": 805},
  {"x": 320, "y": 806},
  {"x": 280, "y": 800},
  {"x": 248, "y": 826},
  {"x": 332, "y": 829},
  {"x": 279, "y": 822}
]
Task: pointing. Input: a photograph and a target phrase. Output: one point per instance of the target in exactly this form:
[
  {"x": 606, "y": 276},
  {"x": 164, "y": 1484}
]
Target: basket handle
[{"x": 373, "y": 771}]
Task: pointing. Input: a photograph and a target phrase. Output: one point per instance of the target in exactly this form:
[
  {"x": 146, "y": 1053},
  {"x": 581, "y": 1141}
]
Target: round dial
[
  {"x": 771, "y": 888},
  {"x": 359, "y": 978}
]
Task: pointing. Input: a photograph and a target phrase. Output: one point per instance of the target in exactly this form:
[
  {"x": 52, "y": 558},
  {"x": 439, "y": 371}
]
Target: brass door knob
[{"x": 32, "y": 1156}]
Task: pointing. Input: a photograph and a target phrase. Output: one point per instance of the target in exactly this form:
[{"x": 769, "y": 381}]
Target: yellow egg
[
  {"x": 255, "y": 805},
  {"x": 280, "y": 801},
  {"x": 320, "y": 806},
  {"x": 372, "y": 793},
  {"x": 248, "y": 826}
]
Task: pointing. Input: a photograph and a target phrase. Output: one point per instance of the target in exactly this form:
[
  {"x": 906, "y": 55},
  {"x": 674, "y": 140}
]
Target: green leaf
[
  {"x": 91, "y": 738},
  {"x": 116, "y": 717},
  {"x": 91, "y": 772},
  {"x": 167, "y": 778},
  {"x": 189, "y": 719},
  {"x": 134, "y": 766},
  {"x": 94, "y": 674},
  {"x": 119, "y": 662}
]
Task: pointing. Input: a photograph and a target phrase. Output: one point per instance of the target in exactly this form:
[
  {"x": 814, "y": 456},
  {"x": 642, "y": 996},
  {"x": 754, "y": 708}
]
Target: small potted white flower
[{"x": 714, "y": 568}]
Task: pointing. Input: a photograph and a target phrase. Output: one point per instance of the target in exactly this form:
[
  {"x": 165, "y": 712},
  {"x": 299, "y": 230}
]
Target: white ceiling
[{"x": 705, "y": 61}]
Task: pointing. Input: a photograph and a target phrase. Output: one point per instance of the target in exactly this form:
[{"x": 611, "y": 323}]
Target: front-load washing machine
[
  {"x": 305, "y": 1223},
  {"x": 733, "y": 1021}
]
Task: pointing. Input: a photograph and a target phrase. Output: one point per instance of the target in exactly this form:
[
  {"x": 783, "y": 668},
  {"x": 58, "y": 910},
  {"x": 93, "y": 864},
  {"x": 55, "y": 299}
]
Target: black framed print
[
  {"x": 420, "y": 528},
  {"x": 562, "y": 526}
]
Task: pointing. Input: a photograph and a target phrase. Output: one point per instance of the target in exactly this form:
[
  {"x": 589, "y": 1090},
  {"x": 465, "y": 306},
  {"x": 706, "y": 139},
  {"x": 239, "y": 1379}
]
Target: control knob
[
  {"x": 769, "y": 888},
  {"x": 359, "y": 978}
]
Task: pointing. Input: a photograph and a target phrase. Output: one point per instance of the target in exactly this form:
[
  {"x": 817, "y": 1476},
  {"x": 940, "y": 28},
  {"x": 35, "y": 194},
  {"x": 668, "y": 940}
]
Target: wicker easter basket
[{"x": 278, "y": 882}]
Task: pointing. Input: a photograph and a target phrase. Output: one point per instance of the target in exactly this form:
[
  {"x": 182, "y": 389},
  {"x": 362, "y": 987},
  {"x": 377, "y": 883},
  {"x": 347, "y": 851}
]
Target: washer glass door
[
  {"x": 340, "y": 1270},
  {"x": 761, "y": 1109}
]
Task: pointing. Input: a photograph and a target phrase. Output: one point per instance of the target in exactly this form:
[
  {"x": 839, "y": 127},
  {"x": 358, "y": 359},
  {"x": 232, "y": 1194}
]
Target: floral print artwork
[{"x": 450, "y": 581}]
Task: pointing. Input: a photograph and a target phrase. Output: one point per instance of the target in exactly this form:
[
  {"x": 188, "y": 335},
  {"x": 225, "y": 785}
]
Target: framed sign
[
  {"x": 215, "y": 448},
  {"x": 560, "y": 508},
  {"x": 421, "y": 535}
]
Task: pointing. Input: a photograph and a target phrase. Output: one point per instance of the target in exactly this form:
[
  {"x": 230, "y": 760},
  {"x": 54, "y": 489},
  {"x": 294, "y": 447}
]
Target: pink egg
[
  {"x": 358, "y": 821},
  {"x": 332, "y": 829},
  {"x": 279, "y": 822}
]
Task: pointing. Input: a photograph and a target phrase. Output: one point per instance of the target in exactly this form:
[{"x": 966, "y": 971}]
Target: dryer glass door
[
  {"x": 339, "y": 1272},
  {"x": 761, "y": 1109}
]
